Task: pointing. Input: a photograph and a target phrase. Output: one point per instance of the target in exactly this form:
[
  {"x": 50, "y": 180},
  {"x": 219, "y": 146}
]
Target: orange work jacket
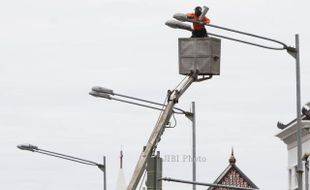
[{"x": 195, "y": 17}]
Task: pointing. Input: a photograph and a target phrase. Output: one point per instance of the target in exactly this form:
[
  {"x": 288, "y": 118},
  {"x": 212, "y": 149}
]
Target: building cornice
[{"x": 288, "y": 135}]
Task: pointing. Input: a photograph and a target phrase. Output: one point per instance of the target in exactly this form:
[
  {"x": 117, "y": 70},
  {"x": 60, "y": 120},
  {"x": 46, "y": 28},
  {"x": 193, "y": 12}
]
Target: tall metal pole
[
  {"x": 104, "y": 174},
  {"x": 194, "y": 143},
  {"x": 299, "y": 143},
  {"x": 307, "y": 173}
]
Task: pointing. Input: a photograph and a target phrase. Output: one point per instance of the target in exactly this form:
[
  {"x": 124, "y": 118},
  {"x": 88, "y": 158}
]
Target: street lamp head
[
  {"x": 102, "y": 90},
  {"x": 100, "y": 95},
  {"x": 178, "y": 25},
  {"x": 306, "y": 109},
  {"x": 180, "y": 17},
  {"x": 28, "y": 147}
]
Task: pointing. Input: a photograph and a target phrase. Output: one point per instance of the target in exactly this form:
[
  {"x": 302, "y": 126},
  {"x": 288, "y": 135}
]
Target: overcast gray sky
[{"x": 53, "y": 52}]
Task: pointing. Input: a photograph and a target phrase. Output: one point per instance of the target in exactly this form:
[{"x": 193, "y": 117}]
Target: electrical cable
[
  {"x": 175, "y": 121},
  {"x": 160, "y": 115}
]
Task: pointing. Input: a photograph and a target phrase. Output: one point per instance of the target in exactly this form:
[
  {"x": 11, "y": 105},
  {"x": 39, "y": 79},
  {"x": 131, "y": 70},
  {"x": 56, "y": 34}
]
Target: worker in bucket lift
[{"x": 199, "y": 29}]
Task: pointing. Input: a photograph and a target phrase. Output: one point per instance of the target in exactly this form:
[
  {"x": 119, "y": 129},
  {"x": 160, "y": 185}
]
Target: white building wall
[
  {"x": 288, "y": 136},
  {"x": 292, "y": 153},
  {"x": 292, "y": 161}
]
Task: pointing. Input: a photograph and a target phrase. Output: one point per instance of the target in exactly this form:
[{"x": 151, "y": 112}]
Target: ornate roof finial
[
  {"x": 232, "y": 159},
  {"x": 121, "y": 157}
]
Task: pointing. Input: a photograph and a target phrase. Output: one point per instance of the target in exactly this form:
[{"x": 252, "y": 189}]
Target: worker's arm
[
  {"x": 190, "y": 15},
  {"x": 205, "y": 20}
]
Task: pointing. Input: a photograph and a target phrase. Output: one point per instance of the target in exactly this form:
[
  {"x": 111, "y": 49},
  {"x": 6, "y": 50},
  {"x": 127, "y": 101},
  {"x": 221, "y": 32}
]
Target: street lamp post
[
  {"x": 101, "y": 92},
  {"x": 295, "y": 52},
  {"x": 305, "y": 158},
  {"x": 34, "y": 148},
  {"x": 298, "y": 109},
  {"x": 192, "y": 117}
]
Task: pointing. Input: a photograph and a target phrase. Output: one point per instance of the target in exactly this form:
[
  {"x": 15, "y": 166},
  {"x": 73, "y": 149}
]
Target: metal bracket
[
  {"x": 101, "y": 167},
  {"x": 189, "y": 115},
  {"x": 292, "y": 51}
]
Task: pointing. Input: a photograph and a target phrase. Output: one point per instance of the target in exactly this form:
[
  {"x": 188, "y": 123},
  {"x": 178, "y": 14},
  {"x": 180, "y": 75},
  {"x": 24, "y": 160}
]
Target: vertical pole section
[
  {"x": 194, "y": 143},
  {"x": 299, "y": 143},
  {"x": 104, "y": 174},
  {"x": 307, "y": 174}
]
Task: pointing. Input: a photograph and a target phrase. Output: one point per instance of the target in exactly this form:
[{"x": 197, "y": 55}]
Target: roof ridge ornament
[{"x": 232, "y": 159}]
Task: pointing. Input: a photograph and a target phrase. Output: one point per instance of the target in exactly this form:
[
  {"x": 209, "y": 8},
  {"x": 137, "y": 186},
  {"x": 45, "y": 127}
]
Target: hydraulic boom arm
[{"x": 157, "y": 132}]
